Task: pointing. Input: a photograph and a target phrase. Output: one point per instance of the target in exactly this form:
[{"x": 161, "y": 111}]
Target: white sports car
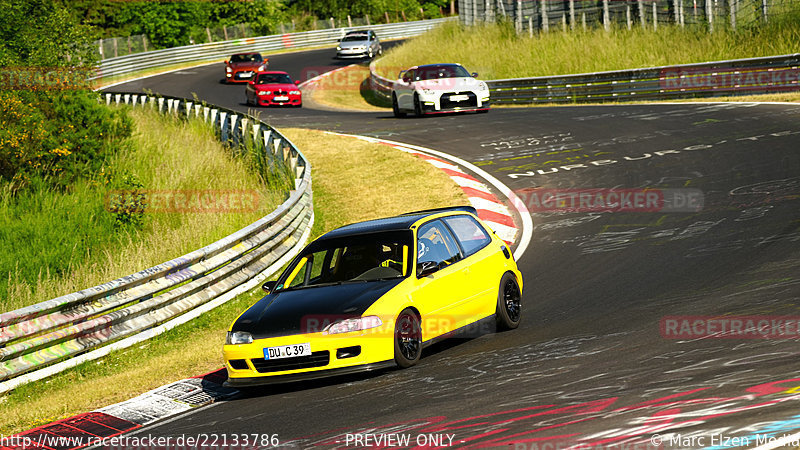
[{"x": 438, "y": 88}]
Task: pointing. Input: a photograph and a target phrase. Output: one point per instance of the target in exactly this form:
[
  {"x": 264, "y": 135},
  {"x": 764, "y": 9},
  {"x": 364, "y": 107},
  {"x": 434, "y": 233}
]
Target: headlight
[
  {"x": 483, "y": 87},
  {"x": 228, "y": 69},
  {"x": 357, "y": 324},
  {"x": 238, "y": 337},
  {"x": 428, "y": 91},
  {"x": 264, "y": 92},
  {"x": 262, "y": 68},
  {"x": 294, "y": 92},
  {"x": 338, "y": 48}
]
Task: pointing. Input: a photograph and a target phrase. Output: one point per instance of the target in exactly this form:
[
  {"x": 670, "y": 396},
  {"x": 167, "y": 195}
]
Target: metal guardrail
[
  {"x": 709, "y": 79},
  {"x": 115, "y": 67},
  {"x": 49, "y": 337}
]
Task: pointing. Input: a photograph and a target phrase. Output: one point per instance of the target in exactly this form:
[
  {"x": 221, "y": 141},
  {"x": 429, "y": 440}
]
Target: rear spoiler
[{"x": 468, "y": 209}]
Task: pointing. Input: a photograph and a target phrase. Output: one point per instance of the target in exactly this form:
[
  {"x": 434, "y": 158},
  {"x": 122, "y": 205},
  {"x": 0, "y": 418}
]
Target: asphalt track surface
[{"x": 589, "y": 364}]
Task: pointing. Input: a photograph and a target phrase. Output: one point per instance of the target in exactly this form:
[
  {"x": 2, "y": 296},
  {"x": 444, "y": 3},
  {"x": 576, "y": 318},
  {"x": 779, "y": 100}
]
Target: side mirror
[
  {"x": 269, "y": 286},
  {"x": 406, "y": 80},
  {"x": 225, "y": 62},
  {"x": 474, "y": 74},
  {"x": 427, "y": 268}
]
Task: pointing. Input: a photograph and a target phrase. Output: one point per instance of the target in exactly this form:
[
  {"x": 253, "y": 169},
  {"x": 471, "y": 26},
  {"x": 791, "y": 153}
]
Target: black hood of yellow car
[{"x": 306, "y": 310}]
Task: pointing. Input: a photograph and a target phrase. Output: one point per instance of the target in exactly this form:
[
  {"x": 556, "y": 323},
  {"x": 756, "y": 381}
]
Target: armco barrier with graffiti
[
  {"x": 46, "y": 338},
  {"x": 114, "y": 67},
  {"x": 710, "y": 79}
]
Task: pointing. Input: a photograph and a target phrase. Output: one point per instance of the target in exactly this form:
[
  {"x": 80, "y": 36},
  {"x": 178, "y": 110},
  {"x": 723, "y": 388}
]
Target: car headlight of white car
[
  {"x": 338, "y": 48},
  {"x": 483, "y": 86},
  {"x": 427, "y": 91}
]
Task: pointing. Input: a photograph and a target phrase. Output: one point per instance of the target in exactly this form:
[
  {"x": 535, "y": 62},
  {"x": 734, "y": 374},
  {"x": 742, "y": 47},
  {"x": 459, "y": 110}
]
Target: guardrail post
[
  {"x": 764, "y": 10},
  {"x": 732, "y": 7},
  {"x": 655, "y": 16},
  {"x": 710, "y": 15},
  {"x": 606, "y": 16},
  {"x": 628, "y": 15},
  {"x": 641, "y": 13},
  {"x": 518, "y": 16},
  {"x": 545, "y": 18},
  {"x": 572, "y": 14}
]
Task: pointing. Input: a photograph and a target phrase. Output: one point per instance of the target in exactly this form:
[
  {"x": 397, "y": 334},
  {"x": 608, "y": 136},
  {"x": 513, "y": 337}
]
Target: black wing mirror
[
  {"x": 427, "y": 268},
  {"x": 269, "y": 286},
  {"x": 474, "y": 74}
]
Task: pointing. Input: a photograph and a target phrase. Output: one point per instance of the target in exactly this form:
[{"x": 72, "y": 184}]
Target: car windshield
[
  {"x": 246, "y": 57},
  {"x": 440, "y": 71},
  {"x": 355, "y": 38},
  {"x": 352, "y": 259},
  {"x": 274, "y": 78}
]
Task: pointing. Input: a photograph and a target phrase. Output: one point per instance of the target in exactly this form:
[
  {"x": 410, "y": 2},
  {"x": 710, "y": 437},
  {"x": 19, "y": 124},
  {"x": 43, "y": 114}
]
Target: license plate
[
  {"x": 287, "y": 351},
  {"x": 458, "y": 98},
  {"x": 245, "y": 74},
  {"x": 281, "y": 99}
]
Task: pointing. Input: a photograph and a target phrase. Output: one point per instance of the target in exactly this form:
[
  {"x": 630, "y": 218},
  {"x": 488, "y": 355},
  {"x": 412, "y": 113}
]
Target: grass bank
[
  {"x": 497, "y": 52},
  {"x": 344, "y": 192},
  {"x": 60, "y": 241}
]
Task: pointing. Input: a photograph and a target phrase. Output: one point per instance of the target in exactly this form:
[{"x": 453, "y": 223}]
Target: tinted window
[
  {"x": 360, "y": 258},
  {"x": 246, "y": 57},
  {"x": 440, "y": 71},
  {"x": 436, "y": 244},
  {"x": 469, "y": 233},
  {"x": 355, "y": 38},
  {"x": 274, "y": 78}
]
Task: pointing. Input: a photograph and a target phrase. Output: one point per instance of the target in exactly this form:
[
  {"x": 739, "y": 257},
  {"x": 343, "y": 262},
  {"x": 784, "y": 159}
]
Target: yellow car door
[
  {"x": 441, "y": 285},
  {"x": 485, "y": 261}
]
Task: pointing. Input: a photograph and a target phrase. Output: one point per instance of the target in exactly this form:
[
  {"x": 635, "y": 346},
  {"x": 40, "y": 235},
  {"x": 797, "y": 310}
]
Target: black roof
[{"x": 397, "y": 223}]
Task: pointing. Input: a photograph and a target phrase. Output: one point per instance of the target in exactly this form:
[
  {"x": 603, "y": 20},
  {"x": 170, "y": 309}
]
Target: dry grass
[
  {"x": 497, "y": 52},
  {"x": 353, "y": 180}
]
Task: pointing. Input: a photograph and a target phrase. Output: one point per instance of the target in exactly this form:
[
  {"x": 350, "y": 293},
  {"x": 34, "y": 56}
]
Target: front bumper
[
  {"x": 269, "y": 100},
  {"x": 442, "y": 103},
  {"x": 276, "y": 379},
  {"x": 241, "y": 76},
  {"x": 331, "y": 355},
  {"x": 345, "y": 54}
]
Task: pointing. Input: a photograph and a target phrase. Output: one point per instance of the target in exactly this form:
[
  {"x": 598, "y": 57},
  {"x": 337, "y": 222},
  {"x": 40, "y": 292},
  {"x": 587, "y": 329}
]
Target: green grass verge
[
  {"x": 344, "y": 192},
  {"x": 497, "y": 52},
  {"x": 74, "y": 241}
]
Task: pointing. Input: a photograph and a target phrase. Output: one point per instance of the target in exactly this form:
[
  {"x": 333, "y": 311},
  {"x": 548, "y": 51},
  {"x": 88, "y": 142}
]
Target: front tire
[
  {"x": 509, "y": 303},
  {"x": 417, "y": 106},
  {"x": 396, "y": 107},
  {"x": 407, "y": 339}
]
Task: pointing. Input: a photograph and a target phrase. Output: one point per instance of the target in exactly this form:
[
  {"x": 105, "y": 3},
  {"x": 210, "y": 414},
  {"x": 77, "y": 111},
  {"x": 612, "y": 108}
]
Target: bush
[{"x": 60, "y": 136}]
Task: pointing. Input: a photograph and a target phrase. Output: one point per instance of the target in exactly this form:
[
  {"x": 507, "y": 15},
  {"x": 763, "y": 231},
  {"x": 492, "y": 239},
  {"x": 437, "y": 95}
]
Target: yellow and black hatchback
[{"x": 372, "y": 294}]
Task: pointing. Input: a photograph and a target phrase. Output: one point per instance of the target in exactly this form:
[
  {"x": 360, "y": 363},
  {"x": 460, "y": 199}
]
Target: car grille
[
  {"x": 315, "y": 359},
  {"x": 281, "y": 92},
  {"x": 446, "y": 103}
]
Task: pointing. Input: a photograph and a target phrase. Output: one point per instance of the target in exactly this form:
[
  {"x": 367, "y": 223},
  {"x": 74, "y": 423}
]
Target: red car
[
  {"x": 242, "y": 66},
  {"x": 273, "y": 88}
]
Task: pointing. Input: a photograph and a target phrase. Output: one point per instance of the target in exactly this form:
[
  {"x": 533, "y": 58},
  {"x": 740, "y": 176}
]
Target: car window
[
  {"x": 436, "y": 244},
  {"x": 274, "y": 78},
  {"x": 355, "y": 38},
  {"x": 247, "y": 57},
  {"x": 358, "y": 258},
  {"x": 440, "y": 71},
  {"x": 469, "y": 233}
]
